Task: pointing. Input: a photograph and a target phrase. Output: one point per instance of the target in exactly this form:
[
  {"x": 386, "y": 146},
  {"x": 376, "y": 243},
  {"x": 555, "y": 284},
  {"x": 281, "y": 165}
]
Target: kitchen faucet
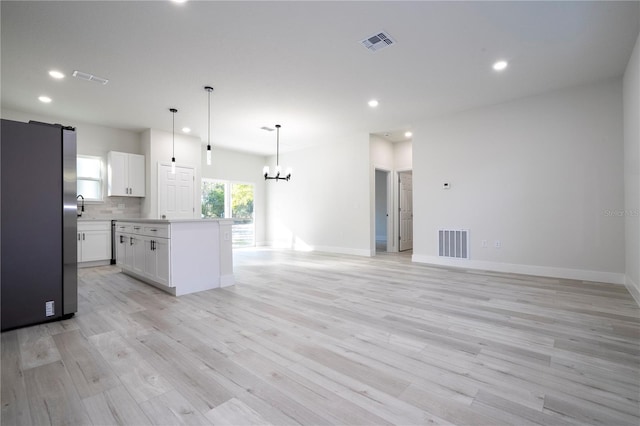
[{"x": 82, "y": 205}]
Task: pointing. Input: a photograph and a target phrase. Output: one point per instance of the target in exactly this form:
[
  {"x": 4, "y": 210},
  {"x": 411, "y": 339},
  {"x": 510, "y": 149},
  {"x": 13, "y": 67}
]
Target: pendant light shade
[
  {"x": 278, "y": 173},
  {"x": 173, "y": 134},
  {"x": 209, "y": 89}
]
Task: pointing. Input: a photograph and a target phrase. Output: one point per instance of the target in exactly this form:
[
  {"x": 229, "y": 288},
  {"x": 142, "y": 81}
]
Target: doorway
[
  {"x": 405, "y": 200},
  {"x": 382, "y": 227}
]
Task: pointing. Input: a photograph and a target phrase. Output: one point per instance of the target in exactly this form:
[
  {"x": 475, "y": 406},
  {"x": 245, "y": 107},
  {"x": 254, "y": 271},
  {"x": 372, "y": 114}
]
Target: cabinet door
[
  {"x": 96, "y": 245},
  {"x": 136, "y": 175},
  {"x": 79, "y": 245},
  {"x": 139, "y": 254},
  {"x": 121, "y": 248},
  {"x": 163, "y": 264},
  {"x": 149, "y": 260},
  {"x": 117, "y": 171},
  {"x": 128, "y": 251}
]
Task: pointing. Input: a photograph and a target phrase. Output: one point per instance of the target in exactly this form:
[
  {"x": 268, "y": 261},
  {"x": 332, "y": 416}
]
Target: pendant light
[
  {"x": 277, "y": 176},
  {"x": 173, "y": 133},
  {"x": 209, "y": 89}
]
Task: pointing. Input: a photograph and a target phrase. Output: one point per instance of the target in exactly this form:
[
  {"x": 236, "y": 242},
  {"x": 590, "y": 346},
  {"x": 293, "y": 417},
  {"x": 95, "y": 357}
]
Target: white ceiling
[{"x": 299, "y": 64}]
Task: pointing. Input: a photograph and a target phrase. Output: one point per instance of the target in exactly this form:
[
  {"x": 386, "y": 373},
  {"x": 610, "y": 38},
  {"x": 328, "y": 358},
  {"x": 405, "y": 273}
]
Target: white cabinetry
[
  {"x": 94, "y": 241},
  {"x": 125, "y": 174},
  {"x": 144, "y": 250},
  {"x": 178, "y": 256}
]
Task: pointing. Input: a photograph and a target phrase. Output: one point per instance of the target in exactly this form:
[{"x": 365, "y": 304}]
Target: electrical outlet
[
  {"x": 121, "y": 206},
  {"x": 498, "y": 244},
  {"x": 485, "y": 244}
]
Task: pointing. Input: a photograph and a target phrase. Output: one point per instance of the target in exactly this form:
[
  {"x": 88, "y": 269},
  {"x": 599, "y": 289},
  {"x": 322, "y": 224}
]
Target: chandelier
[{"x": 277, "y": 176}]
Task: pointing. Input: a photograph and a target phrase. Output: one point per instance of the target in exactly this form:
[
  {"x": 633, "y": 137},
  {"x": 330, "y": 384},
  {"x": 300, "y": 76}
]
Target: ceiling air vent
[
  {"x": 89, "y": 77},
  {"x": 378, "y": 41}
]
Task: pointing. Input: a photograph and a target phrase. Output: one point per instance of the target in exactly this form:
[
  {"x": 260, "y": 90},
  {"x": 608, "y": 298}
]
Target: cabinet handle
[
  {"x": 78, "y": 236},
  {"x": 153, "y": 245},
  {"x": 130, "y": 241},
  {"x": 121, "y": 239},
  {"x": 136, "y": 228},
  {"x": 153, "y": 230},
  {"x": 83, "y": 236}
]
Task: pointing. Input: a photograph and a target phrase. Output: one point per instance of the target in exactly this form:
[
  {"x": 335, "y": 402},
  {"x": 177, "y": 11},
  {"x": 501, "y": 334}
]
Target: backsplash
[{"x": 114, "y": 208}]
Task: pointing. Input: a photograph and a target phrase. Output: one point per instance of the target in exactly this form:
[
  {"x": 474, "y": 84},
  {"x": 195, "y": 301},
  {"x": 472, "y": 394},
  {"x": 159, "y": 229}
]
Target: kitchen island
[{"x": 180, "y": 256}]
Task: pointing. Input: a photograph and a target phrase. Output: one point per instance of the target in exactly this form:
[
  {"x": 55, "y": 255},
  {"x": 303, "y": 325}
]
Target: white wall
[
  {"x": 240, "y": 167},
  {"x": 632, "y": 171},
  {"x": 325, "y": 206},
  {"x": 91, "y": 139},
  {"x": 403, "y": 155},
  {"x": 157, "y": 147},
  {"x": 540, "y": 174}
]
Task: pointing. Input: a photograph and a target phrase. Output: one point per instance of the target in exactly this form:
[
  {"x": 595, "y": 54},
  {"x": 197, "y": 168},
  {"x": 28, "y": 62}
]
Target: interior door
[
  {"x": 176, "y": 193},
  {"x": 406, "y": 211}
]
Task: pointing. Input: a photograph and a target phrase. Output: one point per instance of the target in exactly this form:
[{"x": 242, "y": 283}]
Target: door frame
[
  {"x": 391, "y": 242},
  {"x": 389, "y": 205}
]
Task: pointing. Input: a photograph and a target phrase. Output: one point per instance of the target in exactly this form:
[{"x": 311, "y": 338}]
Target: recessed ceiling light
[
  {"x": 179, "y": 1},
  {"x": 373, "y": 103},
  {"x": 408, "y": 134},
  {"x": 500, "y": 65},
  {"x": 186, "y": 129},
  {"x": 56, "y": 74},
  {"x": 44, "y": 99}
]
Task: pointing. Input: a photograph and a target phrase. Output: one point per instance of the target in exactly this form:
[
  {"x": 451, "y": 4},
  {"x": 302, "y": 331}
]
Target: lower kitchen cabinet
[
  {"x": 94, "y": 242},
  {"x": 157, "y": 260},
  {"x": 177, "y": 256}
]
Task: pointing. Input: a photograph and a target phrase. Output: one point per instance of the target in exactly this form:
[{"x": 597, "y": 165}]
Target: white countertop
[{"x": 174, "y": 220}]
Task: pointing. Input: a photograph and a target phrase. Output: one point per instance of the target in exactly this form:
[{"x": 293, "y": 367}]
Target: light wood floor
[{"x": 319, "y": 339}]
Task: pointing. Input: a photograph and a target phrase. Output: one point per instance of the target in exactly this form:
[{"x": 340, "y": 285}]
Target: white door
[
  {"x": 406, "y": 211},
  {"x": 176, "y": 193}
]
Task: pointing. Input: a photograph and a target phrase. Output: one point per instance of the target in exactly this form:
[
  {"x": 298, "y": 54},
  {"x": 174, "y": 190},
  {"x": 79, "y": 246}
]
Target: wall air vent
[
  {"x": 89, "y": 77},
  {"x": 378, "y": 41},
  {"x": 453, "y": 243}
]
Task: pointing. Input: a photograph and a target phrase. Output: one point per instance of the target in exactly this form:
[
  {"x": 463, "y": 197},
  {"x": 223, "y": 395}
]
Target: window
[
  {"x": 89, "y": 171},
  {"x": 221, "y": 199}
]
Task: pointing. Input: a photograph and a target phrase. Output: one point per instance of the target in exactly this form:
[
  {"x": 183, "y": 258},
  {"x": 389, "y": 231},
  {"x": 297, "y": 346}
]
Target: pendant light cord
[
  {"x": 277, "y": 145},
  {"x": 209, "y": 120},
  {"x": 173, "y": 134}
]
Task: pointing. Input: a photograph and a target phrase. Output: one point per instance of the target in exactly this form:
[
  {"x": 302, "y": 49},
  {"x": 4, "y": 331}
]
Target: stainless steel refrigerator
[{"x": 39, "y": 275}]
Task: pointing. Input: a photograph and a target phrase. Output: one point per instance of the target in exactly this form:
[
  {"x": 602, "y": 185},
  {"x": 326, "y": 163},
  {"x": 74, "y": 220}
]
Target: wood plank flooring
[{"x": 320, "y": 339}]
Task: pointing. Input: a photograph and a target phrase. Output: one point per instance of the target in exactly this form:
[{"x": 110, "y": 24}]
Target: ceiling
[{"x": 299, "y": 64}]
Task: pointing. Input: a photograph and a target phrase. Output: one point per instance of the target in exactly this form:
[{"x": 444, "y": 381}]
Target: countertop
[{"x": 174, "y": 220}]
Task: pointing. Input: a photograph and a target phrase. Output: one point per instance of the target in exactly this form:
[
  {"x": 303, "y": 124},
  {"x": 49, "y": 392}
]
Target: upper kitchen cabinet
[{"x": 125, "y": 174}]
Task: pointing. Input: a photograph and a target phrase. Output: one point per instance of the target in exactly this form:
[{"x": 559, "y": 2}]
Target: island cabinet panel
[{"x": 178, "y": 256}]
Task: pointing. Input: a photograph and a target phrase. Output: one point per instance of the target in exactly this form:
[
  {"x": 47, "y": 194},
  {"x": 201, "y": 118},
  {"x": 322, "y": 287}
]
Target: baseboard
[
  {"x": 227, "y": 280},
  {"x": 94, "y": 263},
  {"x": 542, "y": 271},
  {"x": 324, "y": 249},
  {"x": 344, "y": 250},
  {"x": 633, "y": 288}
]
